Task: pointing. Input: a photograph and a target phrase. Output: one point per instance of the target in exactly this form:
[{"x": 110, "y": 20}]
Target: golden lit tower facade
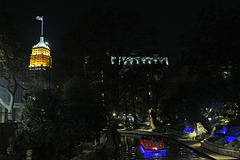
[{"x": 40, "y": 58}]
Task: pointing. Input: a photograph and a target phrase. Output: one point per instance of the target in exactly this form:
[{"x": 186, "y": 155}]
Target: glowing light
[
  {"x": 149, "y": 144},
  {"x": 224, "y": 130},
  {"x": 151, "y": 154},
  {"x": 145, "y": 60},
  {"x": 142, "y": 150},
  {"x": 229, "y": 139},
  {"x": 187, "y": 129},
  {"x": 228, "y": 135},
  {"x": 159, "y": 154},
  {"x": 40, "y": 56},
  {"x": 114, "y": 114},
  {"x": 235, "y": 131}
]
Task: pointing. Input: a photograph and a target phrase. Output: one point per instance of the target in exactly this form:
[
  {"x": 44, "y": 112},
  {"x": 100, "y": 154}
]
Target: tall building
[
  {"x": 41, "y": 64},
  {"x": 98, "y": 78},
  {"x": 40, "y": 58}
]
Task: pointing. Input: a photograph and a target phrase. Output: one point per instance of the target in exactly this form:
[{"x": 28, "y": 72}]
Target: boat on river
[{"x": 152, "y": 142}]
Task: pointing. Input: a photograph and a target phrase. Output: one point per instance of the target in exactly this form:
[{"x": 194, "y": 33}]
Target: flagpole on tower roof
[
  {"x": 42, "y": 28},
  {"x": 40, "y": 19}
]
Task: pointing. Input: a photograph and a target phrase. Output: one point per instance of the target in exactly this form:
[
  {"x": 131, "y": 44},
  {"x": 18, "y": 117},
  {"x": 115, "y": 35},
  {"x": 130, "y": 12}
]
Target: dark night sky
[{"x": 172, "y": 19}]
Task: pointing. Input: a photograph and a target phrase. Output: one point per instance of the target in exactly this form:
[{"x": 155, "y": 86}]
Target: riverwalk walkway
[{"x": 190, "y": 143}]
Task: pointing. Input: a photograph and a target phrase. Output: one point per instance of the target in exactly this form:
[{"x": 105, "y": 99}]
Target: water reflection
[
  {"x": 153, "y": 154},
  {"x": 131, "y": 150}
]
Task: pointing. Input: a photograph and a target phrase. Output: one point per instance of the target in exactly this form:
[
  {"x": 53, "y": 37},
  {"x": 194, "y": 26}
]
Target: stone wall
[{"x": 221, "y": 149}]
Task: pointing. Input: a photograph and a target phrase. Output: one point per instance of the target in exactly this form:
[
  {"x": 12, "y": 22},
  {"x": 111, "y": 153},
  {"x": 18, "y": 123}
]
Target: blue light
[
  {"x": 229, "y": 139},
  {"x": 187, "y": 129},
  {"x": 151, "y": 153},
  {"x": 155, "y": 154},
  {"x": 235, "y": 131},
  {"x": 224, "y": 130},
  {"x": 142, "y": 150},
  {"x": 213, "y": 134},
  {"x": 228, "y": 136}
]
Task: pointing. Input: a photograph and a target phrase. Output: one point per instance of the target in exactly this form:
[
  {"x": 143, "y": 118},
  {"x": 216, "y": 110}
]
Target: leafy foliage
[
  {"x": 99, "y": 35},
  {"x": 54, "y": 125},
  {"x": 13, "y": 66},
  {"x": 211, "y": 56},
  {"x": 212, "y": 50}
]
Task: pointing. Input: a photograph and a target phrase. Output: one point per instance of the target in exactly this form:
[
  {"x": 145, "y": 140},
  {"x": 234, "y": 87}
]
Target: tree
[
  {"x": 143, "y": 85},
  {"x": 56, "y": 121},
  {"x": 100, "y": 44},
  {"x": 40, "y": 128},
  {"x": 192, "y": 101},
  {"x": 13, "y": 63},
  {"x": 211, "y": 56},
  {"x": 83, "y": 107},
  {"x": 212, "y": 49}
]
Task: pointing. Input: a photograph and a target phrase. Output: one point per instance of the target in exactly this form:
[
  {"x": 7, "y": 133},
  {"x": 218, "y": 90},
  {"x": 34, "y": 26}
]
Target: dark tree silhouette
[
  {"x": 13, "y": 66},
  {"x": 100, "y": 35}
]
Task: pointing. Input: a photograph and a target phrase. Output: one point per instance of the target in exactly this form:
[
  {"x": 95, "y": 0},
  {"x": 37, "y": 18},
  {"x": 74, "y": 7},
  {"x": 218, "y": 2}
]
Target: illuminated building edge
[{"x": 139, "y": 60}]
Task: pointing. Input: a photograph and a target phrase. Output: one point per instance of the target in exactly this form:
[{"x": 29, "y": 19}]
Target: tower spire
[{"x": 40, "y": 58}]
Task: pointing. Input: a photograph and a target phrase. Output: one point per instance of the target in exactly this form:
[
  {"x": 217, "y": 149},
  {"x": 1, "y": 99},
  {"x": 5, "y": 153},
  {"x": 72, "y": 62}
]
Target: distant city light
[{"x": 139, "y": 60}]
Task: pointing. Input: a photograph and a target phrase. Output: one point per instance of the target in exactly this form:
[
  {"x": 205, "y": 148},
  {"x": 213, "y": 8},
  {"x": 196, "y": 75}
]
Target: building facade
[
  {"x": 18, "y": 103},
  {"x": 98, "y": 78},
  {"x": 41, "y": 64},
  {"x": 40, "y": 58}
]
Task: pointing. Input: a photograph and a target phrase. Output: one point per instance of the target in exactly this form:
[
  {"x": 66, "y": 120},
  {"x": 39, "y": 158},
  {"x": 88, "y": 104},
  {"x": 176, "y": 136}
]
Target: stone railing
[{"x": 221, "y": 149}]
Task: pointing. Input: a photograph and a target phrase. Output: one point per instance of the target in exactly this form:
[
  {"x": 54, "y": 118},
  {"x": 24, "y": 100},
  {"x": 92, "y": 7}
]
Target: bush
[{"x": 54, "y": 126}]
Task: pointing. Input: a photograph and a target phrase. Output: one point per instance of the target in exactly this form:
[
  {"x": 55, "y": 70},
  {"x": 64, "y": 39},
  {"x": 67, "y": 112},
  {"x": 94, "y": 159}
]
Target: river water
[{"x": 131, "y": 150}]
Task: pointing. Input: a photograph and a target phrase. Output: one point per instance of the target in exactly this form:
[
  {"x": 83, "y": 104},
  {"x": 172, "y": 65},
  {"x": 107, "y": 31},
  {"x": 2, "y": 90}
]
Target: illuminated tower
[
  {"x": 41, "y": 61},
  {"x": 40, "y": 58}
]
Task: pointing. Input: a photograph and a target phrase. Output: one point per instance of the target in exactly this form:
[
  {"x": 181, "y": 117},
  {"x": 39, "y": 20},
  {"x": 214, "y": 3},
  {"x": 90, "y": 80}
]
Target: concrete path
[{"x": 196, "y": 145}]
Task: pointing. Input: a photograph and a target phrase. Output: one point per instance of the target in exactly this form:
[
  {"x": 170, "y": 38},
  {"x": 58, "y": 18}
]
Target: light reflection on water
[
  {"x": 131, "y": 150},
  {"x": 153, "y": 154}
]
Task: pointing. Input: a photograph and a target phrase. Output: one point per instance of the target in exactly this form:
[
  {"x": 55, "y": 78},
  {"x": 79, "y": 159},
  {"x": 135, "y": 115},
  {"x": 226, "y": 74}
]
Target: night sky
[{"x": 171, "y": 18}]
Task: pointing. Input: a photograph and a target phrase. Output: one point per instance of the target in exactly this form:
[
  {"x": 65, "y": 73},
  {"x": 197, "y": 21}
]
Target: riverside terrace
[{"x": 209, "y": 149}]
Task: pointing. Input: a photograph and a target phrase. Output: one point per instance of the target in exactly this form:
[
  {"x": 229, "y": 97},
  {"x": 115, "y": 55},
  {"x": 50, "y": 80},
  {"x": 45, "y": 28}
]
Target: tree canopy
[
  {"x": 56, "y": 121},
  {"x": 211, "y": 55},
  {"x": 13, "y": 66},
  {"x": 102, "y": 34},
  {"x": 213, "y": 46}
]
